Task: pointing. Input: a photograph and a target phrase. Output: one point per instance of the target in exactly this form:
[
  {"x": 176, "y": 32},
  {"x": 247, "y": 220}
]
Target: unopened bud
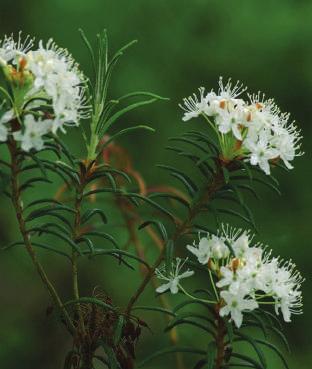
[
  {"x": 235, "y": 264},
  {"x": 22, "y": 62},
  {"x": 222, "y": 104}
]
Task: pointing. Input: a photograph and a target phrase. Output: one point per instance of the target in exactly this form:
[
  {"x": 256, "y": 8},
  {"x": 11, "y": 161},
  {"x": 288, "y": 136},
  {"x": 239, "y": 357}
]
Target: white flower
[
  {"x": 231, "y": 118},
  {"x": 194, "y": 106},
  {"x": 32, "y": 135},
  {"x": 251, "y": 275},
  {"x": 284, "y": 285},
  {"x": 10, "y": 49},
  {"x": 260, "y": 152},
  {"x": 236, "y": 304},
  {"x": 209, "y": 247},
  {"x": 229, "y": 277},
  {"x": 229, "y": 91},
  {"x": 58, "y": 77},
  {"x": 254, "y": 129},
  {"x": 4, "y": 130},
  {"x": 240, "y": 245},
  {"x": 174, "y": 277}
]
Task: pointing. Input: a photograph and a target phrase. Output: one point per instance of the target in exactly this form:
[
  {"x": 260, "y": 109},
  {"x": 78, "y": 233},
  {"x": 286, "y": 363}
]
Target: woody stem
[{"x": 17, "y": 203}]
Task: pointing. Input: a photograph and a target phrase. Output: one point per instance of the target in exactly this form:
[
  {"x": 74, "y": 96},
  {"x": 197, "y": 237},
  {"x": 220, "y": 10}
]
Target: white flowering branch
[{"x": 43, "y": 93}]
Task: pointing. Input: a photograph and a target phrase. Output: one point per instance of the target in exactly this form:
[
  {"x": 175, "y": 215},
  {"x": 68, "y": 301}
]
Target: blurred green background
[{"x": 182, "y": 45}]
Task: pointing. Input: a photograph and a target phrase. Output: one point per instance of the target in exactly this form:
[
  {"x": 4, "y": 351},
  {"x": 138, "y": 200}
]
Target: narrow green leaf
[
  {"x": 169, "y": 254},
  {"x": 171, "y": 350},
  {"x": 90, "y": 300},
  {"x": 247, "y": 359},
  {"x": 155, "y": 309},
  {"x": 125, "y": 110},
  {"x": 126, "y": 131},
  {"x": 226, "y": 175},
  {"x": 211, "y": 355},
  {"x": 275, "y": 349},
  {"x": 159, "y": 226},
  {"x": 118, "y": 330},
  {"x": 88, "y": 214},
  {"x": 253, "y": 343}
]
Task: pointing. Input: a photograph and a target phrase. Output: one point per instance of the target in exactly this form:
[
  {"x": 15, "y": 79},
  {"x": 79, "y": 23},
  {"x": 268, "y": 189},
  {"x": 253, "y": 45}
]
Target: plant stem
[
  {"x": 216, "y": 183},
  {"x": 17, "y": 203},
  {"x": 221, "y": 332},
  {"x": 76, "y": 234}
]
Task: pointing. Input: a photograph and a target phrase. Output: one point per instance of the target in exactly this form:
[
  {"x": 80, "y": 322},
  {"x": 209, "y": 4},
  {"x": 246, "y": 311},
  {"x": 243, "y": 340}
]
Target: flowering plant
[{"x": 44, "y": 93}]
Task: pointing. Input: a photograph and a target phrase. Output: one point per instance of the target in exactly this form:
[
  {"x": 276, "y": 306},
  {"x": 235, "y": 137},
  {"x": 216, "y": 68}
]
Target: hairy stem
[
  {"x": 17, "y": 203},
  {"x": 216, "y": 183}
]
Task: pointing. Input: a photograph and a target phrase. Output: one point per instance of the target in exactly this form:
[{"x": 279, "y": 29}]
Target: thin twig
[{"x": 17, "y": 203}]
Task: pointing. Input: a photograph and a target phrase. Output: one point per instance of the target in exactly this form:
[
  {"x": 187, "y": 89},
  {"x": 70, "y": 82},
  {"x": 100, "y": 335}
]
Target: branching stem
[{"x": 216, "y": 183}]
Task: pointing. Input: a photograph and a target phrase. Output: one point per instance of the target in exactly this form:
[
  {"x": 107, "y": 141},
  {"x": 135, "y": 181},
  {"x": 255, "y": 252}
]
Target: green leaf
[
  {"x": 169, "y": 254},
  {"x": 268, "y": 184},
  {"x": 152, "y": 203},
  {"x": 200, "y": 136},
  {"x": 211, "y": 355},
  {"x": 247, "y": 359},
  {"x": 132, "y": 196},
  {"x": 39, "y": 163},
  {"x": 275, "y": 349},
  {"x": 171, "y": 350},
  {"x": 226, "y": 175},
  {"x": 160, "y": 227},
  {"x": 120, "y": 253},
  {"x": 190, "y": 314},
  {"x": 104, "y": 235},
  {"x": 63, "y": 237},
  {"x": 181, "y": 321},
  {"x": 41, "y": 201},
  {"x": 191, "y": 142},
  {"x": 47, "y": 210},
  {"x": 236, "y": 214},
  {"x": 57, "y": 226},
  {"x": 190, "y": 302},
  {"x": 142, "y": 93},
  {"x": 5, "y": 180},
  {"x": 169, "y": 196},
  {"x": 88, "y": 242},
  {"x": 90, "y": 300},
  {"x": 123, "y": 111},
  {"x": 64, "y": 149},
  {"x": 36, "y": 244},
  {"x": 249, "y": 189},
  {"x": 260, "y": 321},
  {"x": 118, "y": 330},
  {"x": 126, "y": 131},
  {"x": 112, "y": 360},
  {"x": 229, "y": 330},
  {"x": 253, "y": 343},
  {"x": 155, "y": 309},
  {"x": 89, "y": 47},
  {"x": 247, "y": 169},
  {"x": 186, "y": 181},
  {"x": 88, "y": 214}
]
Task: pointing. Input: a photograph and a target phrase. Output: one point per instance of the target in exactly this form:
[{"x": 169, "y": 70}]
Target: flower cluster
[
  {"x": 48, "y": 91},
  {"x": 253, "y": 129},
  {"x": 247, "y": 276}
]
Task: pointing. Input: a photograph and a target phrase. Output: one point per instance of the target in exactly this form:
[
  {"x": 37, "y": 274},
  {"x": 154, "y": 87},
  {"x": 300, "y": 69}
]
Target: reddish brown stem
[
  {"x": 221, "y": 332},
  {"x": 17, "y": 203},
  {"x": 216, "y": 184}
]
